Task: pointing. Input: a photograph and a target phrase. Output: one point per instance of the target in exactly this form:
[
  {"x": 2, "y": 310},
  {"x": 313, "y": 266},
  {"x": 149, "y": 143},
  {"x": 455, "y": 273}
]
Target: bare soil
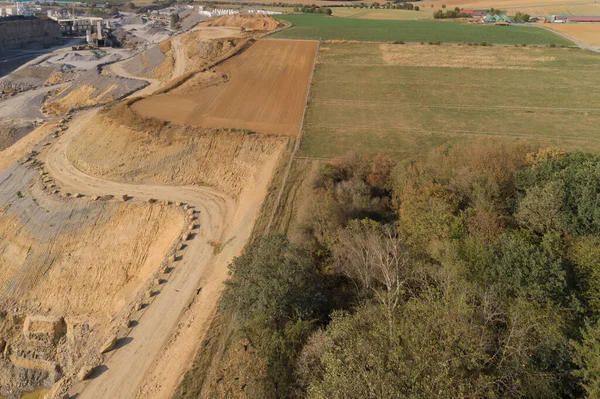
[
  {"x": 265, "y": 92},
  {"x": 588, "y": 34}
]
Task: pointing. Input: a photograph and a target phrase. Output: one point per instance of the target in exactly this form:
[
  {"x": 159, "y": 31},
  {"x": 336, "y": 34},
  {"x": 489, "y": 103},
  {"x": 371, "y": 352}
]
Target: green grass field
[
  {"x": 403, "y": 100},
  {"x": 381, "y": 13},
  {"x": 318, "y": 26}
]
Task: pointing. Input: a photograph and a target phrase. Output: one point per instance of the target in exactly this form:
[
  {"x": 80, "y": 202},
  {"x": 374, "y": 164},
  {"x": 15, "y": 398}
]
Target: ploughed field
[
  {"x": 265, "y": 92},
  {"x": 319, "y": 26},
  {"x": 404, "y": 99},
  {"x": 586, "y": 33}
]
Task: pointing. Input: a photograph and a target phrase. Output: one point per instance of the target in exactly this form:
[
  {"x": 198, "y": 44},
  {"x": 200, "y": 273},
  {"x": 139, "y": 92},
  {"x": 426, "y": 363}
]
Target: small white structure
[
  {"x": 17, "y": 9},
  {"x": 217, "y": 12},
  {"x": 264, "y": 12}
]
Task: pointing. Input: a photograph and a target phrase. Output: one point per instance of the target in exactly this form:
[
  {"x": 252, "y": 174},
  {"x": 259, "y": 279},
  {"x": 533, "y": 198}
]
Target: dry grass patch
[
  {"x": 82, "y": 96},
  {"x": 474, "y": 57}
]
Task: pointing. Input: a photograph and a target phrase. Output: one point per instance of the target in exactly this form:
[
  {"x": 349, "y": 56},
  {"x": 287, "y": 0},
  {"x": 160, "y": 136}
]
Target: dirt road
[
  {"x": 117, "y": 69},
  {"x": 179, "y": 56},
  {"x": 170, "y": 330},
  {"x": 128, "y": 365},
  {"x": 25, "y": 105},
  {"x": 162, "y": 345}
]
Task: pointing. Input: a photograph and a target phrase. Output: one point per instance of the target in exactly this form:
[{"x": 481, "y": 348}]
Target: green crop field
[
  {"x": 404, "y": 99},
  {"x": 319, "y": 26}
]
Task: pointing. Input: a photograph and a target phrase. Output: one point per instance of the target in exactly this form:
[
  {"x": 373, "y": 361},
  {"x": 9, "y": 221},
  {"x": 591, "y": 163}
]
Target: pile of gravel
[
  {"x": 34, "y": 76},
  {"x": 145, "y": 62},
  {"x": 110, "y": 86}
]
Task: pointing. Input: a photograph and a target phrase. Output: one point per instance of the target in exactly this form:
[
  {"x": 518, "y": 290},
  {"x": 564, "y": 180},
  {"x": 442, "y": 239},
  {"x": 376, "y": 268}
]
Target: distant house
[
  {"x": 536, "y": 19},
  {"x": 467, "y": 12}
]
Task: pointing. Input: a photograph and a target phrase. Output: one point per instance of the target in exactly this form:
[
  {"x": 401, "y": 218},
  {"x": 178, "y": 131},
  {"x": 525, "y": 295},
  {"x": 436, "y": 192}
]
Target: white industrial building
[
  {"x": 16, "y": 9},
  {"x": 217, "y": 12}
]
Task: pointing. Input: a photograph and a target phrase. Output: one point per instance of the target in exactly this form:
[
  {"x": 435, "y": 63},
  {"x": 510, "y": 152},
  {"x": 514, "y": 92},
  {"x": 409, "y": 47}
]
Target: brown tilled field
[
  {"x": 586, "y": 33},
  {"x": 265, "y": 92}
]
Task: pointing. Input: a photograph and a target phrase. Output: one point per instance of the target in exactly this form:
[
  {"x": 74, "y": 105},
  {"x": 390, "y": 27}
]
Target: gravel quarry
[{"x": 116, "y": 230}]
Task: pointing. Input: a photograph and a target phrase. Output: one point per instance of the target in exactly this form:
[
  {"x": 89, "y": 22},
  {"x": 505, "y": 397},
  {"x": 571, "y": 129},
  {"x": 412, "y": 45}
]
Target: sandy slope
[
  {"x": 219, "y": 222},
  {"x": 170, "y": 331},
  {"x": 117, "y": 69},
  {"x": 127, "y": 366}
]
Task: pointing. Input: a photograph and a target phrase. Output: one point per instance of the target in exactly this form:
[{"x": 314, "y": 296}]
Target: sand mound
[
  {"x": 248, "y": 22},
  {"x": 144, "y": 63},
  {"x": 70, "y": 57}
]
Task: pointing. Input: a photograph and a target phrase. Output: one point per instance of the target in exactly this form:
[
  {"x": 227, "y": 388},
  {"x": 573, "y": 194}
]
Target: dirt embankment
[
  {"x": 36, "y": 76},
  {"x": 201, "y": 51},
  {"x": 130, "y": 149},
  {"x": 155, "y": 62},
  {"x": 68, "y": 269},
  {"x": 91, "y": 88},
  {"x": 246, "y": 21}
]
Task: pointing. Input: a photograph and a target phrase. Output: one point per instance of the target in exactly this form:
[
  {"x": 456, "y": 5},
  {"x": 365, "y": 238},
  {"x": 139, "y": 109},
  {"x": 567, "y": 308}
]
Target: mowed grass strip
[
  {"x": 318, "y": 26},
  {"x": 366, "y": 99}
]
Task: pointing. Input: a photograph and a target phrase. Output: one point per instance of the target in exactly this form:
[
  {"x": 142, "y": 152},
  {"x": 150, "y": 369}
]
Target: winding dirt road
[
  {"x": 169, "y": 333},
  {"x": 179, "y": 57},
  {"x": 128, "y": 365}
]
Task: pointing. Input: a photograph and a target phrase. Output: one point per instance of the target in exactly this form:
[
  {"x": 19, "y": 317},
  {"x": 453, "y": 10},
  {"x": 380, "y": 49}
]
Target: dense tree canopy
[{"x": 473, "y": 273}]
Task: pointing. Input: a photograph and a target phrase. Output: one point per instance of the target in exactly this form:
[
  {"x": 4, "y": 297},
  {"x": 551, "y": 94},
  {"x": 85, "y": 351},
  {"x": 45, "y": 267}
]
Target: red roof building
[{"x": 583, "y": 19}]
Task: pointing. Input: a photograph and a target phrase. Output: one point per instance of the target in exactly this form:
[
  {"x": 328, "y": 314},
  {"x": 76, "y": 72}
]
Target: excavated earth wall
[{"x": 27, "y": 32}]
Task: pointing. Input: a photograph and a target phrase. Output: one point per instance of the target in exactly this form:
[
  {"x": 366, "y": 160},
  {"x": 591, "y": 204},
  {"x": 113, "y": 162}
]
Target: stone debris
[
  {"x": 124, "y": 197},
  {"x": 77, "y": 195},
  {"x": 44, "y": 327},
  {"x": 172, "y": 258},
  {"x": 95, "y": 198},
  {"x": 109, "y": 344},
  {"x": 84, "y": 372}
]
